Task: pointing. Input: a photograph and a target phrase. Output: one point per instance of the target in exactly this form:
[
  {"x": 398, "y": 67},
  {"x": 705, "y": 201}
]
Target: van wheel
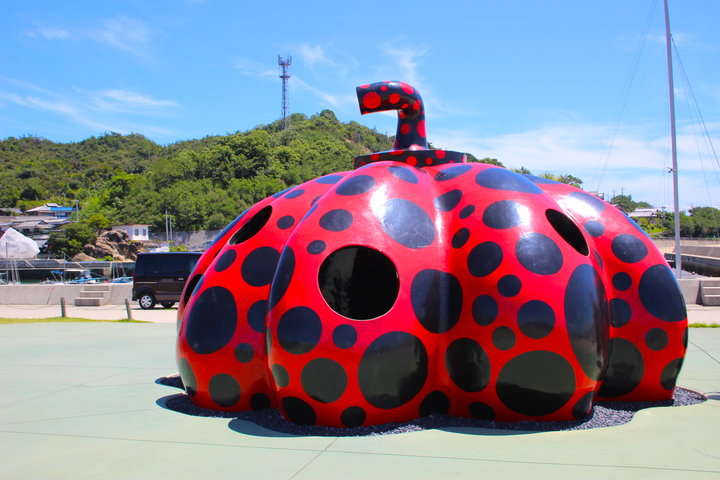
[
  {"x": 167, "y": 304},
  {"x": 146, "y": 301}
]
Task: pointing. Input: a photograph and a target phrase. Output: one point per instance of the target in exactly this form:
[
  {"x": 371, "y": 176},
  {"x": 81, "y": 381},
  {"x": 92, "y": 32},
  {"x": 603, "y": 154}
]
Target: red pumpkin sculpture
[{"x": 421, "y": 284}]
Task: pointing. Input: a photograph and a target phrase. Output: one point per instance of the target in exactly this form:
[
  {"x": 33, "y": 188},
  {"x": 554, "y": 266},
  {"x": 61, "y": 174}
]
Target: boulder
[{"x": 113, "y": 243}]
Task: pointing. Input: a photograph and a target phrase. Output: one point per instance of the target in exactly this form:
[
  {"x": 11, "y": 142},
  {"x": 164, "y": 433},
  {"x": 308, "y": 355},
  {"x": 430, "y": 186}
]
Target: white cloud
[
  {"x": 126, "y": 100},
  {"x": 125, "y": 33},
  {"x": 49, "y": 33},
  {"x": 312, "y": 54}
]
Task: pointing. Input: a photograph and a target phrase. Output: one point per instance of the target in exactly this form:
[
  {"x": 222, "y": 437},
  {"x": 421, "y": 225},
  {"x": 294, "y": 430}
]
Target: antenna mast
[{"x": 285, "y": 63}]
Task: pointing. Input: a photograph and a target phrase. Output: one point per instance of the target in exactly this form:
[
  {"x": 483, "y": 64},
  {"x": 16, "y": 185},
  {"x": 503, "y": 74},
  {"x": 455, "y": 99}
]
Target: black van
[{"x": 160, "y": 277}]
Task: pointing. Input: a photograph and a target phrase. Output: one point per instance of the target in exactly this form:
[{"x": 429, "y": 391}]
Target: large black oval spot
[
  {"x": 669, "y": 375},
  {"x": 256, "y": 316},
  {"x": 452, "y": 172},
  {"x": 539, "y": 254},
  {"x": 435, "y": 403},
  {"x": 407, "y": 223},
  {"x": 501, "y": 179},
  {"x": 625, "y": 369},
  {"x": 468, "y": 365},
  {"x": 628, "y": 248},
  {"x": 298, "y": 411},
  {"x": 324, "y": 380},
  {"x": 294, "y": 193},
  {"x": 299, "y": 330},
  {"x": 484, "y": 310},
  {"x": 404, "y": 174},
  {"x": 285, "y": 222},
  {"x": 460, "y": 238},
  {"x": 359, "y": 282},
  {"x": 467, "y": 211},
  {"x": 356, "y": 185},
  {"x": 620, "y": 312},
  {"x": 584, "y": 203},
  {"x": 536, "y": 319},
  {"x": 594, "y": 228},
  {"x": 258, "y": 268},
  {"x": 536, "y": 383},
  {"x": 660, "y": 294},
  {"x": 586, "y": 319},
  {"x": 336, "y": 220},
  {"x": 506, "y": 214},
  {"x": 436, "y": 299},
  {"x": 225, "y": 260},
  {"x": 393, "y": 370},
  {"x": 484, "y": 259},
  {"x": 211, "y": 322},
  {"x": 224, "y": 390},
  {"x": 187, "y": 376},
  {"x": 449, "y": 200},
  {"x": 329, "y": 179},
  {"x": 283, "y": 276},
  {"x": 252, "y": 226}
]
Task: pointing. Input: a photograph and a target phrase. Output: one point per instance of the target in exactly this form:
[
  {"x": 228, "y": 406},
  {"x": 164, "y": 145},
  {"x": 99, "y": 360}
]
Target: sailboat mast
[{"x": 673, "y": 144}]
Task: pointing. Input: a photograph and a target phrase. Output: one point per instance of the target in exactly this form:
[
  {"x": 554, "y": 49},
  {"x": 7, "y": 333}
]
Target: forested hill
[{"x": 203, "y": 184}]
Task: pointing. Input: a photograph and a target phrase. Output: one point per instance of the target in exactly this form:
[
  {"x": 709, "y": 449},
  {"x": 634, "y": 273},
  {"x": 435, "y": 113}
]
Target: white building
[{"x": 139, "y": 232}]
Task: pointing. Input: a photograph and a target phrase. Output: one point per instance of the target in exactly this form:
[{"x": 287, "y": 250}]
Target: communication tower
[{"x": 285, "y": 63}]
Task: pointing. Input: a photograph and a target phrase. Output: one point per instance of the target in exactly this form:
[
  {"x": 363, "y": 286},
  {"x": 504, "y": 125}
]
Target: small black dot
[
  {"x": 315, "y": 247},
  {"x": 621, "y": 281},
  {"x": 467, "y": 211},
  {"x": 244, "y": 352},
  {"x": 656, "y": 339},
  {"x": 225, "y": 260},
  {"x": 285, "y": 222},
  {"x": 594, "y": 228},
  {"x": 509, "y": 286},
  {"x": 344, "y": 336},
  {"x": 503, "y": 338},
  {"x": 484, "y": 310},
  {"x": 620, "y": 312},
  {"x": 460, "y": 238},
  {"x": 329, "y": 179},
  {"x": 282, "y": 379},
  {"x": 295, "y": 193},
  {"x": 336, "y": 220},
  {"x": 449, "y": 200},
  {"x": 353, "y": 417}
]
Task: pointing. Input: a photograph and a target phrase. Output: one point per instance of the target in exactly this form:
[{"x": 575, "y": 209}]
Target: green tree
[{"x": 71, "y": 239}]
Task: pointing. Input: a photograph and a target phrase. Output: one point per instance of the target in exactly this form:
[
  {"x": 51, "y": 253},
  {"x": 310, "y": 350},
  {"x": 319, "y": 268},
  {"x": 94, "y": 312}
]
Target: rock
[
  {"x": 82, "y": 257},
  {"x": 115, "y": 244}
]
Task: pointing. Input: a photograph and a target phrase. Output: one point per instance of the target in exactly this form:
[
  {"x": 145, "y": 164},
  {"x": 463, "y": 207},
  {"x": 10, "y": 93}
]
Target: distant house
[
  {"x": 50, "y": 210},
  {"x": 139, "y": 232},
  {"x": 645, "y": 213}
]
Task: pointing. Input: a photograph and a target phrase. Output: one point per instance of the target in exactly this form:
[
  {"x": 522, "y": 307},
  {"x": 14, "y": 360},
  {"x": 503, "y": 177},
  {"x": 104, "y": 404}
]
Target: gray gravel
[{"x": 604, "y": 414}]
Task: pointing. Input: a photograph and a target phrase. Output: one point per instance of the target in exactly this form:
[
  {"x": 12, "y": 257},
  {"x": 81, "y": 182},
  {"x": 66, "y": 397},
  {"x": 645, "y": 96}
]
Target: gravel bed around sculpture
[{"x": 603, "y": 414}]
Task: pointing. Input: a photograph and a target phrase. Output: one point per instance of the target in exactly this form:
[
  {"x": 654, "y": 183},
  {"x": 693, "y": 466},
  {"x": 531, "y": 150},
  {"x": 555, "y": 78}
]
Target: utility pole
[{"x": 285, "y": 63}]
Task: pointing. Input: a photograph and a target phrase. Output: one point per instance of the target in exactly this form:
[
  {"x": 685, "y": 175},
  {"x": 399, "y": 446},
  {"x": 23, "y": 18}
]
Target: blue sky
[{"x": 555, "y": 86}]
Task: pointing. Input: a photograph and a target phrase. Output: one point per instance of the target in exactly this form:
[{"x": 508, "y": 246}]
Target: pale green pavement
[{"x": 78, "y": 401}]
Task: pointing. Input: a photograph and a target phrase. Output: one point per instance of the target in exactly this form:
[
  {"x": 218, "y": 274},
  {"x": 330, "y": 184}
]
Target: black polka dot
[
  {"x": 224, "y": 390},
  {"x": 625, "y": 369},
  {"x": 505, "y": 214},
  {"x": 324, "y": 380},
  {"x": 503, "y": 338},
  {"x": 594, "y": 228},
  {"x": 403, "y": 361},
  {"x": 585, "y": 203},
  {"x": 404, "y": 174},
  {"x": 583, "y": 406},
  {"x": 587, "y": 319},
  {"x": 244, "y": 352},
  {"x": 258, "y": 268},
  {"x": 620, "y": 312},
  {"x": 315, "y": 247},
  {"x": 282, "y": 192},
  {"x": 260, "y": 401},
  {"x": 467, "y": 211},
  {"x": 294, "y": 193},
  {"x": 299, "y": 330},
  {"x": 280, "y": 375},
  {"x": 621, "y": 281},
  {"x": 656, "y": 339},
  {"x": 256, "y": 316},
  {"x": 211, "y": 322},
  {"x": 344, "y": 336},
  {"x": 314, "y": 200},
  {"x": 353, "y": 417},
  {"x": 539, "y": 254},
  {"x": 449, "y": 200},
  {"x": 356, "y": 185},
  {"x": 407, "y": 223},
  {"x": 329, "y": 179},
  {"x": 460, "y": 238},
  {"x": 509, "y": 286},
  {"x": 481, "y": 411},
  {"x": 435, "y": 402},
  {"x": 225, "y": 260},
  {"x": 298, "y": 411},
  {"x": 285, "y": 222},
  {"x": 536, "y": 383},
  {"x": 468, "y": 365},
  {"x": 484, "y": 259},
  {"x": 283, "y": 276},
  {"x": 669, "y": 375},
  {"x": 539, "y": 180},
  {"x": 187, "y": 376},
  {"x": 336, "y": 220},
  {"x": 536, "y": 319},
  {"x": 452, "y": 172},
  {"x": 660, "y": 294},
  {"x": 436, "y": 299},
  {"x": 501, "y": 179},
  {"x": 484, "y": 310},
  {"x": 628, "y": 248}
]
